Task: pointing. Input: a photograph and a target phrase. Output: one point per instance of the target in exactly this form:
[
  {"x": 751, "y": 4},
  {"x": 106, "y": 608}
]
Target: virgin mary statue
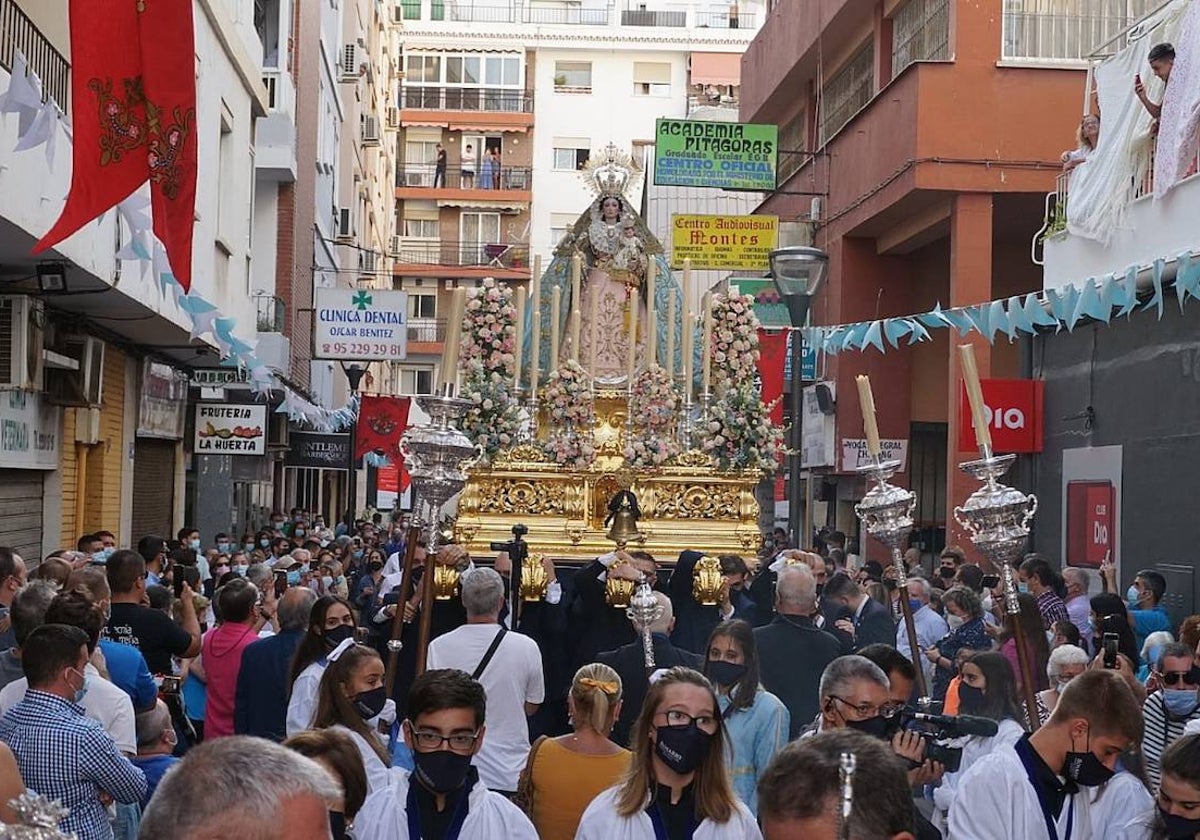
[{"x": 616, "y": 249}]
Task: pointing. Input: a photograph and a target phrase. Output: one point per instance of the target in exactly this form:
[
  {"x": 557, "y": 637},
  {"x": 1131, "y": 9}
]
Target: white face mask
[
  {"x": 987, "y": 603},
  {"x": 955, "y": 621}
]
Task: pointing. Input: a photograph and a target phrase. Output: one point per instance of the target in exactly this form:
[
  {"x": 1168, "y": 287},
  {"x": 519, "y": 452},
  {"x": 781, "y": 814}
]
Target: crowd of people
[{"x": 279, "y": 685}]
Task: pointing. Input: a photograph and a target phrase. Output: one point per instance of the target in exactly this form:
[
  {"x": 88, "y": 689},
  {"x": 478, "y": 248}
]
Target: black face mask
[
  {"x": 337, "y": 825},
  {"x": 1178, "y": 828},
  {"x": 946, "y": 572},
  {"x": 970, "y": 699},
  {"x": 1085, "y": 769},
  {"x": 876, "y": 727},
  {"x": 441, "y": 771},
  {"x": 374, "y": 566},
  {"x": 820, "y": 589},
  {"x": 682, "y": 748},
  {"x": 724, "y": 673},
  {"x": 337, "y": 635},
  {"x": 371, "y": 703}
]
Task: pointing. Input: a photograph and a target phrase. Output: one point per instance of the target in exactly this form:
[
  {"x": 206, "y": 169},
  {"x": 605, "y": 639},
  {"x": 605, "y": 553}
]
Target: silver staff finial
[{"x": 847, "y": 765}]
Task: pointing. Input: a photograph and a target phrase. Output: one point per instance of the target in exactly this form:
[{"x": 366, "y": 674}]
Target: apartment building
[
  {"x": 920, "y": 137},
  {"x": 518, "y": 96}
]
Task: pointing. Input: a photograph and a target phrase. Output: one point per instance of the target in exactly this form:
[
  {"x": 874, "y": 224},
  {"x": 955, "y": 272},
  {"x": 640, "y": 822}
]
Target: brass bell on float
[{"x": 624, "y": 526}]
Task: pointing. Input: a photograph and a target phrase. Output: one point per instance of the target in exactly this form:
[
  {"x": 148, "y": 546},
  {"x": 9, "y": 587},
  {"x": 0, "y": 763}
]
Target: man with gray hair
[
  {"x": 630, "y": 662},
  {"x": 792, "y": 650},
  {"x": 1079, "y": 607},
  {"x": 854, "y": 694},
  {"x": 508, "y": 665},
  {"x": 930, "y": 626},
  {"x": 260, "y": 706},
  {"x": 242, "y": 787},
  {"x": 28, "y": 612}
]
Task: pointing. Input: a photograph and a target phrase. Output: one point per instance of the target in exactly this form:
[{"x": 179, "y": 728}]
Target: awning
[
  {"x": 716, "y": 69},
  {"x": 484, "y": 125},
  {"x": 515, "y": 206}
]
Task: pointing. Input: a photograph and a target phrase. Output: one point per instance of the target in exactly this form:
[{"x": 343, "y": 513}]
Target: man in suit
[
  {"x": 869, "y": 621},
  {"x": 261, "y": 697},
  {"x": 792, "y": 651},
  {"x": 630, "y": 662}
]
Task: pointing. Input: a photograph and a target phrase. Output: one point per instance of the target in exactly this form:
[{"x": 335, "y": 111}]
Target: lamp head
[{"x": 798, "y": 270}]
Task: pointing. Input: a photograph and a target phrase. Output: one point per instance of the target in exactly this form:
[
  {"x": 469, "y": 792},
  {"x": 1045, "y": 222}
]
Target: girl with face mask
[
  {"x": 756, "y": 720},
  {"x": 336, "y": 752},
  {"x": 1177, "y": 816},
  {"x": 352, "y": 693},
  {"x": 677, "y": 787}
]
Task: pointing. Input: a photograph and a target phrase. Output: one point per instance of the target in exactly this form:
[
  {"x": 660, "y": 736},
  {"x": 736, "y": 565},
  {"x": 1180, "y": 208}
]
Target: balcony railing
[
  {"x": 571, "y": 15},
  {"x": 480, "y": 177},
  {"x": 441, "y": 98},
  {"x": 1031, "y": 34},
  {"x": 652, "y": 17},
  {"x": 270, "y": 312},
  {"x": 514, "y": 255},
  {"x": 18, "y": 34},
  {"x": 426, "y": 330},
  {"x": 724, "y": 20}
]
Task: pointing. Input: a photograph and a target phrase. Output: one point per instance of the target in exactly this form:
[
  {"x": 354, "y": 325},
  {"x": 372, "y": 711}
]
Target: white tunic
[
  {"x": 973, "y": 749},
  {"x": 489, "y": 815},
  {"x": 377, "y": 771},
  {"x": 601, "y": 822},
  {"x": 302, "y": 705},
  {"x": 996, "y": 800},
  {"x": 1117, "y": 803}
]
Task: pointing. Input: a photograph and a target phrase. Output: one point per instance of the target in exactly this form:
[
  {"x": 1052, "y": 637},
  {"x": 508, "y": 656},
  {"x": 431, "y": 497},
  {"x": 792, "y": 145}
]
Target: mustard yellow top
[{"x": 566, "y": 782}]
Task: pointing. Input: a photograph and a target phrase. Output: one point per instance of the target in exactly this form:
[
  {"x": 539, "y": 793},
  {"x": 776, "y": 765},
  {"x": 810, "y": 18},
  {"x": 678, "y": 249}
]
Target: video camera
[
  {"x": 935, "y": 729},
  {"x": 516, "y": 548}
]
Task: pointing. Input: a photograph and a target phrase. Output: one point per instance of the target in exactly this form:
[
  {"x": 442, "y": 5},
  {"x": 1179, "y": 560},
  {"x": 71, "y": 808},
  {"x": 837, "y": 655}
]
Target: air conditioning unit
[
  {"x": 345, "y": 223},
  {"x": 21, "y": 343},
  {"x": 277, "y": 431},
  {"x": 393, "y": 118},
  {"x": 82, "y": 386},
  {"x": 370, "y": 131},
  {"x": 394, "y": 245},
  {"x": 354, "y": 62}
]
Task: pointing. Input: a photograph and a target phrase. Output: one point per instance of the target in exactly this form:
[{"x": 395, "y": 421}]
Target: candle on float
[
  {"x": 518, "y": 334},
  {"x": 706, "y": 346},
  {"x": 458, "y": 300},
  {"x": 633, "y": 319},
  {"x": 555, "y": 305},
  {"x": 576, "y": 320},
  {"x": 651, "y": 314},
  {"x": 576, "y": 313},
  {"x": 689, "y": 346},
  {"x": 535, "y": 324},
  {"x": 686, "y": 305},
  {"x": 592, "y": 342},
  {"x": 671, "y": 332},
  {"x": 970, "y": 374},
  {"x": 866, "y": 401}
]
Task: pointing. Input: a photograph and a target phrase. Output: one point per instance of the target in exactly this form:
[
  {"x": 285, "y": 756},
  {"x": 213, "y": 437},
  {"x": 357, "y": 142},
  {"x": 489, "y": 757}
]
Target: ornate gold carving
[
  {"x": 534, "y": 579},
  {"x": 517, "y": 496},
  {"x": 697, "y": 501},
  {"x": 445, "y": 581},
  {"x": 525, "y": 453},
  {"x": 693, "y": 458},
  {"x": 707, "y": 581},
  {"x": 575, "y": 531}
]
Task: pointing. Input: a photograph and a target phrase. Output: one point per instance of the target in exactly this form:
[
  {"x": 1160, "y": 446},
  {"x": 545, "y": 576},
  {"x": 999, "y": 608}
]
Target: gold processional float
[{"x": 625, "y": 442}]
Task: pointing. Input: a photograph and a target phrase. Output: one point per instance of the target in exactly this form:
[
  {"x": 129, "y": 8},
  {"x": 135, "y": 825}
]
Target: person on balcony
[
  {"x": 487, "y": 171},
  {"x": 1087, "y": 136},
  {"x": 439, "y": 167},
  {"x": 467, "y": 169},
  {"x": 1162, "y": 59}
]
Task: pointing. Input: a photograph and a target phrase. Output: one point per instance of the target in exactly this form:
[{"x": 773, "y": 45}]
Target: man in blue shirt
[
  {"x": 61, "y": 753},
  {"x": 155, "y": 745}
]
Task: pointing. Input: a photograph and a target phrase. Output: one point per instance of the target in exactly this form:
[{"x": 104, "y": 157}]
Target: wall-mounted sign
[
  {"x": 229, "y": 429},
  {"x": 360, "y": 325},
  {"x": 734, "y": 243},
  {"x": 30, "y": 429},
  {"x": 1014, "y": 412},
  {"x": 162, "y": 401},
  {"x": 1091, "y": 522},
  {"x": 854, "y": 453},
  {"x": 728, "y": 156},
  {"x": 318, "y": 450},
  {"x": 218, "y": 377}
]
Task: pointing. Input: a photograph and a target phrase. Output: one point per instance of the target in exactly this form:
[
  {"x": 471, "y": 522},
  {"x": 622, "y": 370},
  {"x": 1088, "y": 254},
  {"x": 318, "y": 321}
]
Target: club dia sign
[{"x": 734, "y": 243}]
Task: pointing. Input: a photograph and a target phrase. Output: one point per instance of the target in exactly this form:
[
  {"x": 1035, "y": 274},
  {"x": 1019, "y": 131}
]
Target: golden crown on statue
[{"x": 610, "y": 171}]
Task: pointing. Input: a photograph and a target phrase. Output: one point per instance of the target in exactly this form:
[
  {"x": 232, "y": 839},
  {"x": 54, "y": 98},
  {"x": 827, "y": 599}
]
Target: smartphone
[
  {"x": 188, "y": 574},
  {"x": 991, "y": 581},
  {"x": 1111, "y": 643},
  {"x": 280, "y": 584}
]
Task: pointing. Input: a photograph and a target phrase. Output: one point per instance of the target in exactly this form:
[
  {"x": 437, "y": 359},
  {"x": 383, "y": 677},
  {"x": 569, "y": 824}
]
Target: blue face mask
[
  {"x": 84, "y": 684},
  {"x": 293, "y": 577},
  {"x": 194, "y": 545},
  {"x": 1131, "y": 596},
  {"x": 248, "y": 546},
  {"x": 109, "y": 552},
  {"x": 99, "y": 557},
  {"x": 1180, "y": 702},
  {"x": 299, "y": 532},
  {"x": 264, "y": 542},
  {"x": 915, "y": 604},
  {"x": 358, "y": 553},
  {"x": 1022, "y": 587},
  {"x": 240, "y": 571},
  {"x": 327, "y": 581},
  {"x": 224, "y": 547}
]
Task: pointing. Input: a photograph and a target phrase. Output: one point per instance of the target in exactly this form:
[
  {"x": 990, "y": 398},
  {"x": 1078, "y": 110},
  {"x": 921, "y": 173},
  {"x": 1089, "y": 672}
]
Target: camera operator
[
  {"x": 988, "y": 690},
  {"x": 902, "y": 676}
]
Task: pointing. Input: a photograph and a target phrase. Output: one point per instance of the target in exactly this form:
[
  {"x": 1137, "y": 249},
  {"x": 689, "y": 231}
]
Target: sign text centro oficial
[
  {"x": 736, "y": 243},
  {"x": 728, "y": 156},
  {"x": 229, "y": 429},
  {"x": 360, "y": 324}
]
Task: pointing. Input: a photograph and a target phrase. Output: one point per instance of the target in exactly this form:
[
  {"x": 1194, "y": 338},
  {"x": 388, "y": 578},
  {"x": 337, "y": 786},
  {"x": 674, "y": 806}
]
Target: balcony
[
  {"x": 651, "y": 17},
  {"x": 1032, "y": 35},
  {"x": 437, "y": 258},
  {"x": 269, "y": 314},
  {"x": 724, "y": 20},
  {"x": 18, "y": 34},
  {"x": 571, "y": 14},
  {"x": 574, "y": 13},
  {"x": 426, "y": 336},
  {"x": 275, "y": 134},
  {"x": 509, "y": 187},
  {"x": 466, "y": 108}
]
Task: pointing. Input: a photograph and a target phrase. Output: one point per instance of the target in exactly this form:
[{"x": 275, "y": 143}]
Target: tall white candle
[
  {"x": 970, "y": 374},
  {"x": 555, "y": 305},
  {"x": 576, "y": 304},
  {"x": 866, "y": 402},
  {"x": 633, "y": 319},
  {"x": 535, "y": 322},
  {"x": 651, "y": 314},
  {"x": 458, "y": 300},
  {"x": 688, "y": 304},
  {"x": 706, "y": 346},
  {"x": 671, "y": 331},
  {"x": 689, "y": 350},
  {"x": 519, "y": 334}
]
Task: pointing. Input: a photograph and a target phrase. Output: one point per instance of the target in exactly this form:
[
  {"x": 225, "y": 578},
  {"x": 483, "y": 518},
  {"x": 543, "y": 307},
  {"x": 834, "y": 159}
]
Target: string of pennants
[
  {"x": 38, "y": 120},
  {"x": 1099, "y": 300}
]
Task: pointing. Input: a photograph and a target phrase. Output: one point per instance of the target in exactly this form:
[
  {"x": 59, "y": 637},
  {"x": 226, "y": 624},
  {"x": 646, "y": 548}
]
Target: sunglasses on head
[{"x": 1190, "y": 677}]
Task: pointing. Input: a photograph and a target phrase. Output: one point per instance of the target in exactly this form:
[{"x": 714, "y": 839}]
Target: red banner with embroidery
[
  {"x": 381, "y": 423},
  {"x": 772, "y": 353},
  {"x": 133, "y": 115}
]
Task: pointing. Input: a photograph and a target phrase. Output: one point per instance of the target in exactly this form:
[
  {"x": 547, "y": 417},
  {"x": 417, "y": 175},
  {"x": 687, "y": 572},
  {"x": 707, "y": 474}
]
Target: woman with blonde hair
[
  {"x": 564, "y": 774},
  {"x": 1087, "y": 135},
  {"x": 677, "y": 787}
]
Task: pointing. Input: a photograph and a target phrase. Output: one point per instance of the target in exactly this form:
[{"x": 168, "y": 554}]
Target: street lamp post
[
  {"x": 354, "y": 375},
  {"x": 798, "y": 272}
]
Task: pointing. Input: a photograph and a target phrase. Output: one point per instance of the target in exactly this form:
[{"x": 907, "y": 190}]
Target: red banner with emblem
[
  {"x": 772, "y": 354},
  {"x": 133, "y": 116},
  {"x": 381, "y": 423}
]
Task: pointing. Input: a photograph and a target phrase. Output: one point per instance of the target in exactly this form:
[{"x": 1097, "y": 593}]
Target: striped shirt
[
  {"x": 1162, "y": 730},
  {"x": 65, "y": 756},
  {"x": 1052, "y": 608}
]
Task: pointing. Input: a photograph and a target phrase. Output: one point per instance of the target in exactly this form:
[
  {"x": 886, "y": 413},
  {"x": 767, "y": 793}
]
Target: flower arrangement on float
[
  {"x": 653, "y": 409},
  {"x": 487, "y": 360},
  {"x": 571, "y": 412}
]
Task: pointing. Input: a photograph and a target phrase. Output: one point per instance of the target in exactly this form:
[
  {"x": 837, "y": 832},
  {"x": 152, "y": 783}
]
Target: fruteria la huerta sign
[{"x": 728, "y": 156}]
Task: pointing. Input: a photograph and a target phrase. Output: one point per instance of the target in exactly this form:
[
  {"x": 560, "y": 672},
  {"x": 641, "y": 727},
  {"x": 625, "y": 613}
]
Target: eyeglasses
[
  {"x": 870, "y": 710},
  {"x": 705, "y": 723},
  {"x": 1191, "y": 677},
  {"x": 429, "y": 741}
]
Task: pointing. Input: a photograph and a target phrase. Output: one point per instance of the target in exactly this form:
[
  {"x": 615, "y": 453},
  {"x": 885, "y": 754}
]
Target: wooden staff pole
[
  {"x": 426, "y": 614},
  {"x": 410, "y": 551},
  {"x": 910, "y": 627}
]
